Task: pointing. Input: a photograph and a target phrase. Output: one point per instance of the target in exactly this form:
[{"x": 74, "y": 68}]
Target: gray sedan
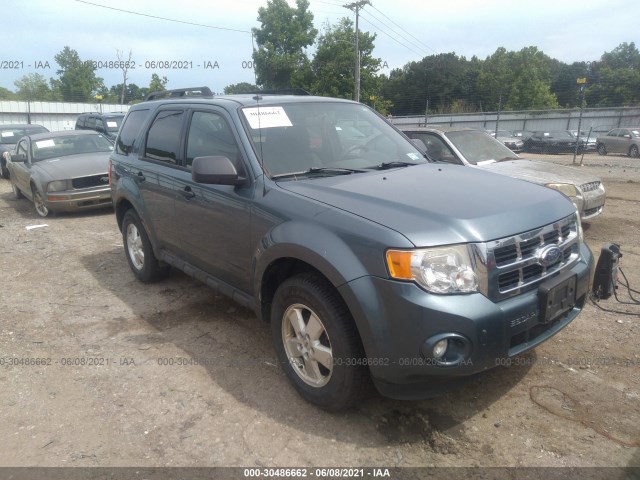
[
  {"x": 465, "y": 146},
  {"x": 620, "y": 140},
  {"x": 62, "y": 171}
]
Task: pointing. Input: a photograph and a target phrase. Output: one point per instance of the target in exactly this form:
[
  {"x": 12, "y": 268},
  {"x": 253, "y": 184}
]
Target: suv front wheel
[
  {"x": 137, "y": 247},
  {"x": 317, "y": 343}
]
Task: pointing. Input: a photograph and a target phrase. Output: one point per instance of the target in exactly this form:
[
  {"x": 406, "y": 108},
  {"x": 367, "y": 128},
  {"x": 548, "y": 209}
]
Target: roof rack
[
  {"x": 180, "y": 92},
  {"x": 286, "y": 91}
]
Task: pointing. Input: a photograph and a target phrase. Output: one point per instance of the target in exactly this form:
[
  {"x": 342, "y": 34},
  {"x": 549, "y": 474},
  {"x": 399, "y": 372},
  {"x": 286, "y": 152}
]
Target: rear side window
[
  {"x": 80, "y": 123},
  {"x": 130, "y": 131},
  {"x": 163, "y": 140}
]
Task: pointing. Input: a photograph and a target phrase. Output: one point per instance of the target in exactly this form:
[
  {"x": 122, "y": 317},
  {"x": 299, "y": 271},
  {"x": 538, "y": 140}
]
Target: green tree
[
  {"x": 77, "y": 80},
  {"x": 6, "y": 94},
  {"x": 242, "y": 87},
  {"x": 615, "y": 79},
  {"x": 280, "y": 59},
  {"x": 517, "y": 80},
  {"x": 34, "y": 87},
  {"x": 333, "y": 64},
  {"x": 157, "y": 84},
  {"x": 624, "y": 56},
  {"x": 132, "y": 92}
]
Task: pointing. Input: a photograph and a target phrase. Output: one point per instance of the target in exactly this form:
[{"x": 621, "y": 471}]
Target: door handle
[
  {"x": 188, "y": 193},
  {"x": 140, "y": 177}
]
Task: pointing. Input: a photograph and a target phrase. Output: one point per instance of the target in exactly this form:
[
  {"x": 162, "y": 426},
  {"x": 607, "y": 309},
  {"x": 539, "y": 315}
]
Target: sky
[{"x": 209, "y": 41}]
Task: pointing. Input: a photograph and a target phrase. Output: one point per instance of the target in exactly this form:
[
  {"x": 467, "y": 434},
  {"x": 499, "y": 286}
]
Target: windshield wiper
[
  {"x": 393, "y": 164},
  {"x": 508, "y": 158},
  {"x": 314, "y": 170}
]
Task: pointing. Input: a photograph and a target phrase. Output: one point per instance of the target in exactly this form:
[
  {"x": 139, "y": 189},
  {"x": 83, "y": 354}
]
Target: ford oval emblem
[{"x": 549, "y": 255}]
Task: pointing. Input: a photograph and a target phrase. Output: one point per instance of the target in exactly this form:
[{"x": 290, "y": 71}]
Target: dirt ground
[{"x": 100, "y": 370}]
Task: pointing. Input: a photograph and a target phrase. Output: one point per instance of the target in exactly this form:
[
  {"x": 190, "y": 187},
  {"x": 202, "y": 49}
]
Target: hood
[
  {"x": 74, "y": 166},
  {"x": 433, "y": 204},
  {"x": 539, "y": 172}
]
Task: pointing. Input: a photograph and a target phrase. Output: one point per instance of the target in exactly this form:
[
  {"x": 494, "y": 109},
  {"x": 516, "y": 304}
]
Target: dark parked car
[
  {"x": 368, "y": 261},
  {"x": 62, "y": 171},
  {"x": 106, "y": 123},
  {"x": 9, "y": 136},
  {"x": 554, "y": 141},
  {"x": 620, "y": 140},
  {"x": 464, "y": 146},
  {"x": 521, "y": 134}
]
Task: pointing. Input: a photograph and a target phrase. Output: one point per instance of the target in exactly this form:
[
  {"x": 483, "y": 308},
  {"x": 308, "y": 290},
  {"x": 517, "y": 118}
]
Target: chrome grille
[
  {"x": 512, "y": 265},
  {"x": 590, "y": 187}
]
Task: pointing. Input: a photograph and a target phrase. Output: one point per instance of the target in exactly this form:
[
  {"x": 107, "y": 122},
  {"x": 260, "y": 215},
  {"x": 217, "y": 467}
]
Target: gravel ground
[{"x": 100, "y": 370}]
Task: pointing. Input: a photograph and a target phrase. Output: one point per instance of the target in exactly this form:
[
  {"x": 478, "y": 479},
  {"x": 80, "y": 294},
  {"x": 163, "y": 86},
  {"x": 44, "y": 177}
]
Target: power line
[
  {"x": 408, "y": 33},
  {"x": 391, "y": 36},
  {"x": 162, "y": 18},
  {"x": 401, "y": 35}
]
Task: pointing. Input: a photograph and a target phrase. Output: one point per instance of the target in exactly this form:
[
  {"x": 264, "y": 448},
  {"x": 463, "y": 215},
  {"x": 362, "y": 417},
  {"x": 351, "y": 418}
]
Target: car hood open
[
  {"x": 539, "y": 172},
  {"x": 433, "y": 204}
]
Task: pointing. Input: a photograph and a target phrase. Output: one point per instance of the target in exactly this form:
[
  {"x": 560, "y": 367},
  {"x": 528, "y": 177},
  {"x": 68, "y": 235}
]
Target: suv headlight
[
  {"x": 437, "y": 269},
  {"x": 567, "y": 188},
  {"x": 58, "y": 186}
]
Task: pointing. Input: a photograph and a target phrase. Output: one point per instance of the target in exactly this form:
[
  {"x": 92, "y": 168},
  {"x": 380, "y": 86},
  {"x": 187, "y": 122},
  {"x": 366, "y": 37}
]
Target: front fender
[{"x": 313, "y": 244}]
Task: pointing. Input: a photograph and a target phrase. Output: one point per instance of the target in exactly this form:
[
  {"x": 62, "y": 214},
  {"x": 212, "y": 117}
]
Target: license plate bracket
[{"x": 557, "y": 296}]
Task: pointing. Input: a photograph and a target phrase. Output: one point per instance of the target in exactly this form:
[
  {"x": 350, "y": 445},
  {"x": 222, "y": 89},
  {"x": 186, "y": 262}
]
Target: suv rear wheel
[
  {"x": 317, "y": 343},
  {"x": 137, "y": 247}
]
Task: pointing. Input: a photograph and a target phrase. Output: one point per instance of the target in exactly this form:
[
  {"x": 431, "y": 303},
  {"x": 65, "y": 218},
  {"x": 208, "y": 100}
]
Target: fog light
[{"x": 440, "y": 348}]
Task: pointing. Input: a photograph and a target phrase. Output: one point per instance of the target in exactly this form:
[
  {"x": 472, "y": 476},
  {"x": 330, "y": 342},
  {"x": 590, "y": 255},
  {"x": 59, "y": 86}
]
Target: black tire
[
  {"x": 38, "y": 203},
  {"x": 602, "y": 149},
  {"x": 17, "y": 194},
  {"x": 338, "y": 382},
  {"x": 633, "y": 151},
  {"x": 137, "y": 248},
  {"x": 343, "y": 381}
]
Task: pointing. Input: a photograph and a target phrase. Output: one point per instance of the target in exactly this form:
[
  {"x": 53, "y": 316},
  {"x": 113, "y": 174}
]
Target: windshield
[
  {"x": 11, "y": 136},
  {"x": 310, "y": 137},
  {"x": 478, "y": 147},
  {"x": 113, "y": 123},
  {"x": 62, "y": 146}
]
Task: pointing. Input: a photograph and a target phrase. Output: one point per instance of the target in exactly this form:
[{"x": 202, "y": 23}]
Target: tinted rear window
[{"x": 130, "y": 131}]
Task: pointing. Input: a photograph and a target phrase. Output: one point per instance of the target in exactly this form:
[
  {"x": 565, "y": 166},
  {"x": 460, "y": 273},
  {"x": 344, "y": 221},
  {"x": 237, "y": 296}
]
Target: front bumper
[
  {"x": 80, "y": 199},
  {"x": 397, "y": 319},
  {"x": 593, "y": 202}
]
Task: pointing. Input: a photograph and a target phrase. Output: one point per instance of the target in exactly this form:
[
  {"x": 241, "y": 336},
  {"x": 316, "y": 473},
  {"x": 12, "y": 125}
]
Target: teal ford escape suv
[{"x": 370, "y": 262}]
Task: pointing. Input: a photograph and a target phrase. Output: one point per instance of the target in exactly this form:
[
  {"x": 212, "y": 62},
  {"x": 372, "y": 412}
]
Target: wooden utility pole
[{"x": 355, "y": 7}]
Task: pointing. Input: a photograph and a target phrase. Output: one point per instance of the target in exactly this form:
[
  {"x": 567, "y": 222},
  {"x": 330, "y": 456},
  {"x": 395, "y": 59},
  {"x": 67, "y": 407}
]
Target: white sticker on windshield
[
  {"x": 112, "y": 124},
  {"x": 45, "y": 143},
  {"x": 485, "y": 162},
  {"x": 7, "y": 134},
  {"x": 267, "y": 117},
  {"x": 413, "y": 156}
]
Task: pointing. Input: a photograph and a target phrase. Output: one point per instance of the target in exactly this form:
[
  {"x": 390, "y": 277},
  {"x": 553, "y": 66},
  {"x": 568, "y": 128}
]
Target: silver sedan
[
  {"x": 474, "y": 148},
  {"x": 62, "y": 171}
]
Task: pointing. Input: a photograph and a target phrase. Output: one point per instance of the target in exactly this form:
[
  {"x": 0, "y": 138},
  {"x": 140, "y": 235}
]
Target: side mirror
[
  {"x": 19, "y": 157},
  {"x": 216, "y": 171}
]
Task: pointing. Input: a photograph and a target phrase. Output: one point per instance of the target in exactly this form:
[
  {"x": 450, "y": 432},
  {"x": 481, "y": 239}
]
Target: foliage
[
  {"x": 242, "y": 87},
  {"x": 34, "y": 87},
  {"x": 77, "y": 80},
  {"x": 157, "y": 84},
  {"x": 333, "y": 64},
  {"x": 280, "y": 60}
]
